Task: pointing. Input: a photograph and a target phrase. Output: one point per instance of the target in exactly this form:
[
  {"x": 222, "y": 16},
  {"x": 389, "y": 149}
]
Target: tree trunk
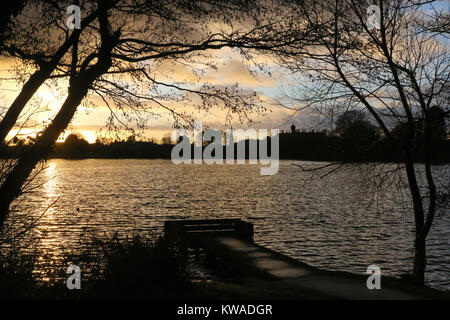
[
  {"x": 12, "y": 186},
  {"x": 79, "y": 86},
  {"x": 38, "y": 78},
  {"x": 419, "y": 217},
  {"x": 419, "y": 260},
  {"x": 28, "y": 90}
]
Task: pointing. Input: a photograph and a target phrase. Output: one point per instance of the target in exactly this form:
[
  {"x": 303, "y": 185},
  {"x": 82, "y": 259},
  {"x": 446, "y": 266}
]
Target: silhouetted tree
[
  {"x": 135, "y": 38},
  {"x": 75, "y": 146},
  {"x": 354, "y": 126},
  {"x": 438, "y": 122},
  {"x": 131, "y": 139},
  {"x": 167, "y": 139},
  {"x": 395, "y": 71},
  {"x": 438, "y": 127},
  {"x": 34, "y": 42}
]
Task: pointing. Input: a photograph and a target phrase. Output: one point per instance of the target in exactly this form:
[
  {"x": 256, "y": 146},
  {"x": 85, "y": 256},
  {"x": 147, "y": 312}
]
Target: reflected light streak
[{"x": 50, "y": 187}]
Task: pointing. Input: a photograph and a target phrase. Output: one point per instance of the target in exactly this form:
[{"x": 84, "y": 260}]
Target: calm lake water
[{"x": 333, "y": 223}]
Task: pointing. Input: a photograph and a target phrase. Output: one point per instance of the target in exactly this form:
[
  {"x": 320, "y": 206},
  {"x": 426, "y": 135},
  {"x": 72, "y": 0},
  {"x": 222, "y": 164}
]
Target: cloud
[
  {"x": 235, "y": 71},
  {"x": 171, "y": 70}
]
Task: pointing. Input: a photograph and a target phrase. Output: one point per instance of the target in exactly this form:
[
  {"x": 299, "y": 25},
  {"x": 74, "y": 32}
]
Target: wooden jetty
[
  {"x": 232, "y": 241},
  {"x": 197, "y": 229},
  {"x": 203, "y": 235}
]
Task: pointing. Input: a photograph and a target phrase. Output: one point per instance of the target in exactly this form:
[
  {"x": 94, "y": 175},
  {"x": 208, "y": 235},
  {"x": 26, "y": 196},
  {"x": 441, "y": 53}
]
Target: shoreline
[{"x": 281, "y": 159}]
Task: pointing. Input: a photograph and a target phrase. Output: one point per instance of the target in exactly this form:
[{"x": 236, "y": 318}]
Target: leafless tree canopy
[
  {"x": 115, "y": 60},
  {"x": 397, "y": 72}
]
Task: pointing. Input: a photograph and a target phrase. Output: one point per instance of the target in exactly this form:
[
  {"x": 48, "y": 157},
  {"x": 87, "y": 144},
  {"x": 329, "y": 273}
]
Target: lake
[{"x": 335, "y": 222}]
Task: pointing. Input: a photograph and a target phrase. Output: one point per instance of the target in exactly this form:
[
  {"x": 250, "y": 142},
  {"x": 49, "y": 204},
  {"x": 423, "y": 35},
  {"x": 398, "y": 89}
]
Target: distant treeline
[
  {"x": 326, "y": 147},
  {"x": 354, "y": 139},
  {"x": 318, "y": 146}
]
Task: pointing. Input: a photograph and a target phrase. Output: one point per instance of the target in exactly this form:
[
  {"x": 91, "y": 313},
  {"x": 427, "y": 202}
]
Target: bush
[
  {"x": 16, "y": 277},
  {"x": 137, "y": 268}
]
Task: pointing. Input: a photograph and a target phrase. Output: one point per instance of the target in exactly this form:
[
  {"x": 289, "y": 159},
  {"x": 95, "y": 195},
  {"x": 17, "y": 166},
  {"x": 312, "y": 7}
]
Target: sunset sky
[{"x": 232, "y": 69}]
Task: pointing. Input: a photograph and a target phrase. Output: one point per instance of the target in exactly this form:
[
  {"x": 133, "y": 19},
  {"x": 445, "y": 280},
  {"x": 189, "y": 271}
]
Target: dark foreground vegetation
[
  {"x": 137, "y": 268},
  {"x": 133, "y": 268},
  {"x": 127, "y": 268}
]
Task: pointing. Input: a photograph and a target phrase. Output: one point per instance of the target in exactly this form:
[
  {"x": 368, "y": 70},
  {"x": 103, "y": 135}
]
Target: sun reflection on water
[
  {"x": 50, "y": 187},
  {"x": 50, "y": 240}
]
